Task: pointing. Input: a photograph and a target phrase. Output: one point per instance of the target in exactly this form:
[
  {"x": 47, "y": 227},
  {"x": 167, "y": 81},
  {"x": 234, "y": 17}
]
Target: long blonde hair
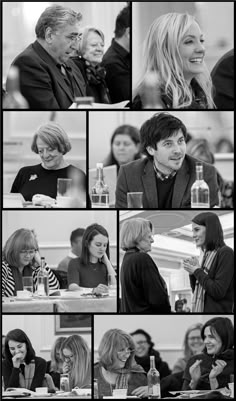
[{"x": 161, "y": 55}]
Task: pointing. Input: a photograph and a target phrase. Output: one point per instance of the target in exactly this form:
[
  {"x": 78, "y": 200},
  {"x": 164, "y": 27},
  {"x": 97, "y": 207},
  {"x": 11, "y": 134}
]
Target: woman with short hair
[
  {"x": 143, "y": 289},
  {"x": 90, "y": 53},
  {"x": 51, "y": 143},
  {"x": 212, "y": 275},
  {"x": 21, "y": 367},
  {"x": 117, "y": 368},
  {"x": 173, "y": 64},
  {"x": 76, "y": 358},
  {"x": 21, "y": 258}
]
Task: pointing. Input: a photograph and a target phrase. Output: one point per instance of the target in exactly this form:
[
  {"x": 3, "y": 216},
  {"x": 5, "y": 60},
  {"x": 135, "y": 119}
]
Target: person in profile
[
  {"x": 223, "y": 81},
  {"x": 48, "y": 78},
  {"x": 75, "y": 251},
  {"x": 117, "y": 59}
]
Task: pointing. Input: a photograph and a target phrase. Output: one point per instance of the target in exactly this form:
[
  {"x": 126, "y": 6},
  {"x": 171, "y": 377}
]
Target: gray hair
[
  {"x": 55, "y": 17},
  {"x": 84, "y": 32},
  {"x": 132, "y": 232},
  {"x": 54, "y": 136}
]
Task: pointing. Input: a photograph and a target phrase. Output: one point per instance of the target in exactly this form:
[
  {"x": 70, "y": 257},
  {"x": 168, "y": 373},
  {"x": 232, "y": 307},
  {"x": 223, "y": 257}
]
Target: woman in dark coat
[
  {"x": 142, "y": 287},
  {"x": 212, "y": 276}
]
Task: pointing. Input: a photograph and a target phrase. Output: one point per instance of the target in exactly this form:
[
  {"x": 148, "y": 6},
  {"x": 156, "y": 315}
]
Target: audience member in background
[
  {"x": 212, "y": 276},
  {"x": 224, "y": 145},
  {"x": 174, "y": 54},
  {"x": 51, "y": 143},
  {"x": 212, "y": 368},
  {"x": 21, "y": 258},
  {"x": 89, "y": 56},
  {"x": 3, "y": 345},
  {"x": 193, "y": 344},
  {"x": 143, "y": 351},
  {"x": 167, "y": 173},
  {"x": 117, "y": 368},
  {"x": 91, "y": 270},
  {"x": 117, "y": 59},
  {"x": 76, "y": 248},
  {"x": 200, "y": 149},
  {"x": 125, "y": 146},
  {"x": 186, "y": 308},
  {"x": 21, "y": 367},
  {"x": 76, "y": 358},
  {"x": 143, "y": 290},
  {"x": 223, "y": 81},
  {"x": 54, "y": 366},
  {"x": 48, "y": 78}
]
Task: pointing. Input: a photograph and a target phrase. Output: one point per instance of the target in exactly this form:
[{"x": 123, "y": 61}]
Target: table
[{"x": 61, "y": 305}]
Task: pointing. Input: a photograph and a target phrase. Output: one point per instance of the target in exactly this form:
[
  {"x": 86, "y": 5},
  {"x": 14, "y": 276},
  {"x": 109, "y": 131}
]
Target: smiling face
[
  {"x": 199, "y": 234},
  {"x": 26, "y": 256},
  {"x": 170, "y": 153},
  {"x": 195, "y": 341},
  {"x": 212, "y": 342},
  {"x": 97, "y": 247},
  {"x": 17, "y": 348},
  {"x": 51, "y": 158},
  {"x": 141, "y": 345},
  {"x": 63, "y": 42},
  {"x": 192, "y": 52},
  {"x": 145, "y": 245},
  {"x": 121, "y": 355},
  {"x": 124, "y": 149},
  {"x": 68, "y": 357},
  {"x": 94, "y": 48}
]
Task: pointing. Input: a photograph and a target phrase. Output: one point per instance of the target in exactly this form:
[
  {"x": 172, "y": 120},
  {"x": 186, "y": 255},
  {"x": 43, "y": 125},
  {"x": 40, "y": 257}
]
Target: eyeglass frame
[{"x": 30, "y": 252}]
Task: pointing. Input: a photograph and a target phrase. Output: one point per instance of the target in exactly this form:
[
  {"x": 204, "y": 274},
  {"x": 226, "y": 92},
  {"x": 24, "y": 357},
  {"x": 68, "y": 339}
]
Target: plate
[
  {"x": 43, "y": 395},
  {"x": 23, "y": 299}
]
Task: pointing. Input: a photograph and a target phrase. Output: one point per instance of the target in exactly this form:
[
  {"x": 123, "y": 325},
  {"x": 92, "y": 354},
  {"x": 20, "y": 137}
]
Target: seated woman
[
  {"x": 125, "y": 146},
  {"x": 212, "y": 368},
  {"x": 117, "y": 368},
  {"x": 54, "y": 367},
  {"x": 21, "y": 367},
  {"x": 144, "y": 349},
  {"x": 91, "y": 270},
  {"x": 51, "y": 143},
  {"x": 90, "y": 52},
  {"x": 21, "y": 258},
  {"x": 76, "y": 358},
  {"x": 143, "y": 290},
  {"x": 174, "y": 74}
]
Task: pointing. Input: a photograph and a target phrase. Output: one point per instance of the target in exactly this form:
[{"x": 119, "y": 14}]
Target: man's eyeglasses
[
  {"x": 29, "y": 251},
  {"x": 141, "y": 342}
]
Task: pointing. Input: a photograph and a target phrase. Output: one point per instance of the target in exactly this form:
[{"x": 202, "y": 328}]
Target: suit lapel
[
  {"x": 149, "y": 183},
  {"x": 181, "y": 183},
  {"x": 56, "y": 72}
]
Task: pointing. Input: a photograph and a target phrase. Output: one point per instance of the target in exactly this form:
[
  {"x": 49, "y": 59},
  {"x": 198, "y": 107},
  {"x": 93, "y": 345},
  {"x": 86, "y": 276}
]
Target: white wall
[
  {"x": 167, "y": 332},
  {"x": 40, "y": 329}
]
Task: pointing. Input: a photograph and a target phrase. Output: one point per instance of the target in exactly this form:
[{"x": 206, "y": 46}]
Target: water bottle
[
  {"x": 153, "y": 377},
  {"x": 200, "y": 194},
  {"x": 100, "y": 191},
  {"x": 42, "y": 280}
]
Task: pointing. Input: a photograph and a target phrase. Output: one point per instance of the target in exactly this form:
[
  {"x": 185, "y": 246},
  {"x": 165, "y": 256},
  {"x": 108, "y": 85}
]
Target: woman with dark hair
[
  {"x": 125, "y": 146},
  {"x": 143, "y": 351},
  {"x": 212, "y": 368},
  {"x": 21, "y": 367},
  {"x": 91, "y": 270},
  {"x": 117, "y": 368},
  {"x": 212, "y": 276}
]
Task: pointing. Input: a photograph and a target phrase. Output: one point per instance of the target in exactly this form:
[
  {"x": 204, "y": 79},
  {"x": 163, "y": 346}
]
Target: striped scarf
[{"x": 199, "y": 291}]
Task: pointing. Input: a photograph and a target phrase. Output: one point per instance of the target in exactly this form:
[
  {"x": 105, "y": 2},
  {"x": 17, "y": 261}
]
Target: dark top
[
  {"x": 143, "y": 288},
  {"x": 11, "y": 374},
  {"x": 165, "y": 191},
  {"x": 206, "y": 366},
  {"x": 136, "y": 379},
  {"x": 223, "y": 81},
  {"x": 55, "y": 375},
  {"x": 42, "y": 82},
  {"x": 161, "y": 366},
  {"x": 218, "y": 283},
  {"x": 95, "y": 80},
  {"x": 32, "y": 180},
  {"x": 199, "y": 99},
  {"x": 89, "y": 276},
  {"x": 139, "y": 176},
  {"x": 117, "y": 62}
]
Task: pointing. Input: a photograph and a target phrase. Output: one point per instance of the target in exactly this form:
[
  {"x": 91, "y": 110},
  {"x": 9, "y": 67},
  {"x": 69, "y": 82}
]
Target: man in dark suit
[
  {"x": 48, "y": 78},
  {"x": 166, "y": 175},
  {"x": 117, "y": 59},
  {"x": 223, "y": 81}
]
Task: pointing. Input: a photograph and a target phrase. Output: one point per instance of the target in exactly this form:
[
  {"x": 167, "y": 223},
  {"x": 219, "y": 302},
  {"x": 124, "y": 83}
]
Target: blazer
[
  {"x": 41, "y": 81},
  {"x": 223, "y": 81},
  {"x": 139, "y": 176}
]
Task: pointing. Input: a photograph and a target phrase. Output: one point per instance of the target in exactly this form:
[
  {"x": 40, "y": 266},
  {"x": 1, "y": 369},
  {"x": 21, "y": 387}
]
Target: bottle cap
[{"x": 99, "y": 165}]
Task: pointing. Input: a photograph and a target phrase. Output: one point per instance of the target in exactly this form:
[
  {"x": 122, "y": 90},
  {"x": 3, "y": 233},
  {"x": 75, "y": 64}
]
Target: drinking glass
[
  {"x": 135, "y": 200},
  {"x": 28, "y": 285},
  {"x": 112, "y": 284},
  {"x": 64, "y": 192}
]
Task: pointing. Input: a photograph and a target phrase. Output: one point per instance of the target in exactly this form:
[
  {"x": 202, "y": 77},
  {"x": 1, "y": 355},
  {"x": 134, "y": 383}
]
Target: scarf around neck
[{"x": 25, "y": 379}]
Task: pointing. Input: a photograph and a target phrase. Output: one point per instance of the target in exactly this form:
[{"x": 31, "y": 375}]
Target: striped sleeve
[
  {"x": 52, "y": 280},
  {"x": 8, "y": 283}
]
